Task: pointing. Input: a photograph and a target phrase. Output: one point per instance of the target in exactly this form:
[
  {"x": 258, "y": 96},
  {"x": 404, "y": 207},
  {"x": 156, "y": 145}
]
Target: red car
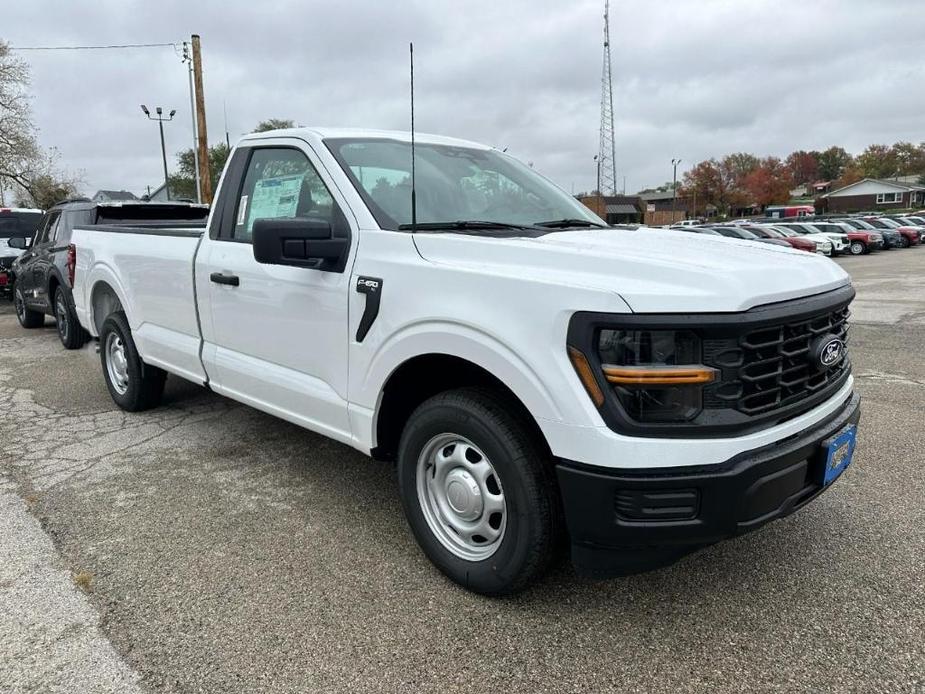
[
  {"x": 794, "y": 241},
  {"x": 911, "y": 235}
]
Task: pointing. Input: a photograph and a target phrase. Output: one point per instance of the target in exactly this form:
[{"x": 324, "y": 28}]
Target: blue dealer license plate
[{"x": 838, "y": 453}]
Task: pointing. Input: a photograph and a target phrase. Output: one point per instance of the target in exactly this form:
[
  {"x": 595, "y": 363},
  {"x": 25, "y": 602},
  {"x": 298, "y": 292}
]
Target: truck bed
[{"x": 150, "y": 269}]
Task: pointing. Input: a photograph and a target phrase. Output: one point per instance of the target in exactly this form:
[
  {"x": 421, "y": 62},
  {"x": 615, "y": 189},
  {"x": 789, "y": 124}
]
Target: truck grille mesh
[{"x": 771, "y": 367}]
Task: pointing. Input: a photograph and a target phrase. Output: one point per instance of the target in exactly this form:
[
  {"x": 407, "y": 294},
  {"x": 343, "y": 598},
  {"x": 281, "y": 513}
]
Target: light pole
[
  {"x": 674, "y": 187},
  {"x": 160, "y": 124}
]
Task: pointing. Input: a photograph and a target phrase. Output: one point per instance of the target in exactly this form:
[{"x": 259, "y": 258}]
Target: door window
[
  {"x": 280, "y": 183},
  {"x": 48, "y": 228}
]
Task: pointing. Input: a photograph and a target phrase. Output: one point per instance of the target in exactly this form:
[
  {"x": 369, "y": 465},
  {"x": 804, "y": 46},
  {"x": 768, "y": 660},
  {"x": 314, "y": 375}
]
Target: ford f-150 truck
[{"x": 537, "y": 377}]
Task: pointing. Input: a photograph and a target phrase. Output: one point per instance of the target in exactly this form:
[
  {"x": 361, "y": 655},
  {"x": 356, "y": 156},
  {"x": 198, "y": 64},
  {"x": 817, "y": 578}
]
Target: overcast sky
[{"x": 692, "y": 78}]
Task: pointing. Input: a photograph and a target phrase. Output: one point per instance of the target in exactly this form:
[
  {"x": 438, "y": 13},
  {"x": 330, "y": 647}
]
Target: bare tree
[{"x": 19, "y": 150}]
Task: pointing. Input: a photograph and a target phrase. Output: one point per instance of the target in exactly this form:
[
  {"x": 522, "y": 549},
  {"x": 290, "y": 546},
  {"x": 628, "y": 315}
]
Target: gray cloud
[{"x": 694, "y": 78}]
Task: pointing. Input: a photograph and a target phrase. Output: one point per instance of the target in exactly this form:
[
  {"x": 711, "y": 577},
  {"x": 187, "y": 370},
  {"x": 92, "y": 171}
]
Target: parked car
[
  {"x": 917, "y": 222},
  {"x": 909, "y": 235},
  {"x": 838, "y": 240},
  {"x": 765, "y": 231},
  {"x": 863, "y": 237},
  {"x": 16, "y": 225},
  {"x": 529, "y": 374},
  {"x": 891, "y": 236},
  {"x": 43, "y": 275},
  {"x": 737, "y": 231}
]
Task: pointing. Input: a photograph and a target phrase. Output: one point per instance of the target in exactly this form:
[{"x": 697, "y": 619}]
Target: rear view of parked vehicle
[
  {"x": 44, "y": 274},
  {"x": 17, "y": 224}
]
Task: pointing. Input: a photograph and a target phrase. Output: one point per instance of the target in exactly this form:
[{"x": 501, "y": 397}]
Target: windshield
[
  {"x": 19, "y": 224},
  {"x": 877, "y": 224},
  {"x": 891, "y": 223},
  {"x": 452, "y": 184},
  {"x": 16, "y": 224}
]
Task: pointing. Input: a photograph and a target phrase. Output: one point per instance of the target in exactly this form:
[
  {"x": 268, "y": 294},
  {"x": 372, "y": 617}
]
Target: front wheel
[
  {"x": 857, "y": 248},
  {"x": 479, "y": 491},
  {"x": 72, "y": 335},
  {"x": 26, "y": 316},
  {"x": 133, "y": 385},
  {"x": 905, "y": 242}
]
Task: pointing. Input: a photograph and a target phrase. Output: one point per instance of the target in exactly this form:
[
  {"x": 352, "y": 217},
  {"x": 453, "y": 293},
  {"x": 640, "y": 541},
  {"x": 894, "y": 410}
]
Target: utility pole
[
  {"x": 205, "y": 178},
  {"x": 188, "y": 58},
  {"x": 674, "y": 187},
  {"x": 160, "y": 124}
]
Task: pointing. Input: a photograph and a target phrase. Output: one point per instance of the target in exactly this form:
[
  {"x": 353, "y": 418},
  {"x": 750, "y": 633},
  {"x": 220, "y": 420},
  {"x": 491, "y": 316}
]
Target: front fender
[{"x": 457, "y": 340}]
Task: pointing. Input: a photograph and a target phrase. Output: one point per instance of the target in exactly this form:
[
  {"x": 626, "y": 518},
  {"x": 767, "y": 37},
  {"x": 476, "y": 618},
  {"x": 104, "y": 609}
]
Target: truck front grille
[{"x": 772, "y": 367}]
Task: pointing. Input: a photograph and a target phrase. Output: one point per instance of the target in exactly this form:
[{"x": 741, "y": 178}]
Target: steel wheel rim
[
  {"x": 461, "y": 497},
  {"x": 116, "y": 363},
  {"x": 61, "y": 316}
]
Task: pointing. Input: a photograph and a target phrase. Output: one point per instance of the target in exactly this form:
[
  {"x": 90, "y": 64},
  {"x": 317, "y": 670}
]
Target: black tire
[
  {"x": 533, "y": 523},
  {"x": 72, "y": 334},
  {"x": 905, "y": 243},
  {"x": 857, "y": 248},
  {"x": 27, "y": 317},
  {"x": 143, "y": 384}
]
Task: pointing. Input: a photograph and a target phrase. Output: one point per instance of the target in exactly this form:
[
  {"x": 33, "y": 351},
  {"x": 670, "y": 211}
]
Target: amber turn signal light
[
  {"x": 659, "y": 376},
  {"x": 583, "y": 369}
]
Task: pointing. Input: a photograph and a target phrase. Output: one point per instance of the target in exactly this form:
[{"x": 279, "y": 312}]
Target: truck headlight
[{"x": 655, "y": 374}]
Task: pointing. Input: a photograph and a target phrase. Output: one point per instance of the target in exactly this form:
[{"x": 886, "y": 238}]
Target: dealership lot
[{"x": 225, "y": 550}]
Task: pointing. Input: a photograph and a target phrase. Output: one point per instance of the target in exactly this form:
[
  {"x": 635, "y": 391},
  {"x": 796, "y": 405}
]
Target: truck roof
[{"x": 319, "y": 133}]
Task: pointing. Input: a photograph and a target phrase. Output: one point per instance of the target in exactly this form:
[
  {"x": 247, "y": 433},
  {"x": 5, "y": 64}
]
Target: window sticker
[
  {"x": 242, "y": 210},
  {"x": 274, "y": 198}
]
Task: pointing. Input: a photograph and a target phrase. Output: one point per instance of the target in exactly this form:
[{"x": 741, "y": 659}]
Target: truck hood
[{"x": 653, "y": 270}]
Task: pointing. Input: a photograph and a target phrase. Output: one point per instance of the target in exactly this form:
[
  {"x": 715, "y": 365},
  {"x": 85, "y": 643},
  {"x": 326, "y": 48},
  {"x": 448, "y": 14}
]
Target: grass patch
[{"x": 84, "y": 581}]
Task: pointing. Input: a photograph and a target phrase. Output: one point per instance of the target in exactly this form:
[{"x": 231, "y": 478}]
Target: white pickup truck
[{"x": 538, "y": 377}]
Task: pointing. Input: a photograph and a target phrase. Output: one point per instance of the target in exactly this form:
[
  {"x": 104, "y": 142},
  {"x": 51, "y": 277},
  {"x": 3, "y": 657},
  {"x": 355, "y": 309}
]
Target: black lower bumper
[{"x": 627, "y": 521}]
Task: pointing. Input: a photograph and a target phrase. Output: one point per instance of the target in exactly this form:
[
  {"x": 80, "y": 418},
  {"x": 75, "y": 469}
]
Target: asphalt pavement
[{"x": 207, "y": 547}]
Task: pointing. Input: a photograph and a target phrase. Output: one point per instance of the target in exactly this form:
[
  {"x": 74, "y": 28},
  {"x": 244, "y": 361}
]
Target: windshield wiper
[
  {"x": 565, "y": 223},
  {"x": 460, "y": 224}
]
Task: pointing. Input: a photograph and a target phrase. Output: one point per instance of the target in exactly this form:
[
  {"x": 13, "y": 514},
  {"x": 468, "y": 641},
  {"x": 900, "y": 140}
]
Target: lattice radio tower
[{"x": 607, "y": 153}]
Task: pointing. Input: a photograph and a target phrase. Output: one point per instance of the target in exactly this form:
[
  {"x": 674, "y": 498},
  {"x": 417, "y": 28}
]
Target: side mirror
[
  {"x": 300, "y": 242},
  {"x": 17, "y": 242}
]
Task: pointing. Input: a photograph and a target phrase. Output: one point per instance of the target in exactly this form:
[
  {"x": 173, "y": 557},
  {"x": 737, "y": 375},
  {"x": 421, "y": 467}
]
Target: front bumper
[{"x": 626, "y": 521}]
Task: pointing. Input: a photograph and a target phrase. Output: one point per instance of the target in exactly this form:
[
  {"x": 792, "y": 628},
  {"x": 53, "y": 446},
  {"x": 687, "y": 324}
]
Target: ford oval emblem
[{"x": 827, "y": 351}]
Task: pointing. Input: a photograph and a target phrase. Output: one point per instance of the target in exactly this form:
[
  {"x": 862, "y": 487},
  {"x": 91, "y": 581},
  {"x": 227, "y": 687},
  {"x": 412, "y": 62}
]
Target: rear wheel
[
  {"x": 133, "y": 385},
  {"x": 27, "y": 317},
  {"x": 72, "y": 335},
  {"x": 478, "y": 491},
  {"x": 857, "y": 248}
]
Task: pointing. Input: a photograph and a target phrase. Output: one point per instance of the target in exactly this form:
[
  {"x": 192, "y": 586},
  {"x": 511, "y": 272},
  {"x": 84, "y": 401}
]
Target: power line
[{"x": 90, "y": 48}]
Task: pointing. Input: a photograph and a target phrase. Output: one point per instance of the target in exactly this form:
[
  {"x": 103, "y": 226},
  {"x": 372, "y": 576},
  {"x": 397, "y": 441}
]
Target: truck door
[{"x": 274, "y": 337}]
